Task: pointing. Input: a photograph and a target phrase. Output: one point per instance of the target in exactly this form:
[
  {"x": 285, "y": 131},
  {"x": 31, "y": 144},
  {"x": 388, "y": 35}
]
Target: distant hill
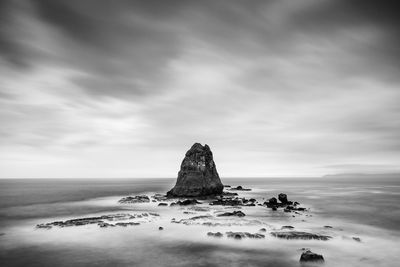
[{"x": 364, "y": 175}]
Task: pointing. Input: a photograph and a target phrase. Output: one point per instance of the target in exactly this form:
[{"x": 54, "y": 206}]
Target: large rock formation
[{"x": 198, "y": 175}]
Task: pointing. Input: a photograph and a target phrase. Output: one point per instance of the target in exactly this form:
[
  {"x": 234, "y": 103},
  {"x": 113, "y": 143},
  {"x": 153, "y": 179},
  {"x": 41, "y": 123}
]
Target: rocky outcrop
[{"x": 198, "y": 175}]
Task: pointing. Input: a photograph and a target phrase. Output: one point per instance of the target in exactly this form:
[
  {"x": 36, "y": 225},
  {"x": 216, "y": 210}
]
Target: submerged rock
[
  {"x": 186, "y": 202},
  {"x": 240, "y": 188},
  {"x": 237, "y": 213},
  {"x": 134, "y": 199},
  {"x": 216, "y": 234},
  {"x": 240, "y": 235},
  {"x": 309, "y": 256},
  {"x": 198, "y": 175},
  {"x": 299, "y": 235}
]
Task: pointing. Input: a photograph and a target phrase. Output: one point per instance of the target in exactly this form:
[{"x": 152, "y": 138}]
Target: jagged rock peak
[{"x": 198, "y": 174}]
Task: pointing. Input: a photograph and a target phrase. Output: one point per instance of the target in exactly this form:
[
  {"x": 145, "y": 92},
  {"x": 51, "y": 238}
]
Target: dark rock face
[
  {"x": 273, "y": 201},
  {"x": 309, "y": 256},
  {"x": 282, "y": 198},
  {"x": 198, "y": 175}
]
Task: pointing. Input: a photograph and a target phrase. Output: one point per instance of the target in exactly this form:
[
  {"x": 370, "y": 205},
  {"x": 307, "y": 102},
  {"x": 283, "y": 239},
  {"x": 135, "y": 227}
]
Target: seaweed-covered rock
[{"x": 198, "y": 175}]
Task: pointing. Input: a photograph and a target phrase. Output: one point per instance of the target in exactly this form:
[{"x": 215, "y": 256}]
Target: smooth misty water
[{"x": 362, "y": 208}]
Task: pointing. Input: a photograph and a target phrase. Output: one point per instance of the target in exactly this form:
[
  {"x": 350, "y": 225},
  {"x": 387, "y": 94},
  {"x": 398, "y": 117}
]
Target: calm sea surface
[{"x": 366, "y": 208}]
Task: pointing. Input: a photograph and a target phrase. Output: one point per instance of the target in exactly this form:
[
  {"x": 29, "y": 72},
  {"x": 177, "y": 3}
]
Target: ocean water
[{"x": 359, "y": 207}]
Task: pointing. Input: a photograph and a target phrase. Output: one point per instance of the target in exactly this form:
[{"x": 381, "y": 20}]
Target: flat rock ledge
[
  {"x": 134, "y": 199},
  {"x": 309, "y": 256},
  {"x": 237, "y": 235},
  {"x": 123, "y": 219},
  {"x": 300, "y": 235}
]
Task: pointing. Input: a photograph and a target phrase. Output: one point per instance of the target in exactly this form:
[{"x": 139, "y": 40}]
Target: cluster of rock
[
  {"x": 237, "y": 235},
  {"x": 288, "y": 206},
  {"x": 233, "y": 201},
  {"x": 185, "y": 202},
  {"x": 101, "y": 221}
]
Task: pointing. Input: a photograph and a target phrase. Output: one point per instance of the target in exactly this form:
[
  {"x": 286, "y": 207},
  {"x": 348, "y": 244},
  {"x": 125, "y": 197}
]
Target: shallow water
[{"x": 367, "y": 209}]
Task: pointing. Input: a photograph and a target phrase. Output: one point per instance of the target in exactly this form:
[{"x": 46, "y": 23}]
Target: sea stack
[{"x": 198, "y": 175}]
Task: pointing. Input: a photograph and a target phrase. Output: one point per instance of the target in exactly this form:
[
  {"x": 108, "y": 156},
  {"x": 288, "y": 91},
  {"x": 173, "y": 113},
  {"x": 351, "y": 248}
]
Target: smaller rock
[
  {"x": 160, "y": 228},
  {"x": 163, "y": 204},
  {"x": 217, "y": 234},
  {"x": 309, "y": 256},
  {"x": 226, "y": 185},
  {"x": 357, "y": 239},
  {"x": 287, "y": 227},
  {"x": 262, "y": 230},
  {"x": 273, "y": 201},
  {"x": 240, "y": 188},
  {"x": 328, "y": 226},
  {"x": 282, "y": 198}
]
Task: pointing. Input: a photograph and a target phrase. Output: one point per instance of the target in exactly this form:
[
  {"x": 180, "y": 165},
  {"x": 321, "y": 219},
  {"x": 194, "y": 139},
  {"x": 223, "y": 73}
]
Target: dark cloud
[{"x": 287, "y": 82}]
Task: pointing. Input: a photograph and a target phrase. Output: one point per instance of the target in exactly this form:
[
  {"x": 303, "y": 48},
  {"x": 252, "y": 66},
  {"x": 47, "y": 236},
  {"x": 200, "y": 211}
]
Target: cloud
[{"x": 275, "y": 87}]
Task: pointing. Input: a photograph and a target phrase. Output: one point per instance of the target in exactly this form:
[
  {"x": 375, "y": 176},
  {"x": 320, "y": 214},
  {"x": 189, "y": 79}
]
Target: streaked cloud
[{"x": 123, "y": 88}]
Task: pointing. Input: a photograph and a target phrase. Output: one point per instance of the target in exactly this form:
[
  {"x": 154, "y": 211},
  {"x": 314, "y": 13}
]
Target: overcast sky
[{"x": 124, "y": 88}]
